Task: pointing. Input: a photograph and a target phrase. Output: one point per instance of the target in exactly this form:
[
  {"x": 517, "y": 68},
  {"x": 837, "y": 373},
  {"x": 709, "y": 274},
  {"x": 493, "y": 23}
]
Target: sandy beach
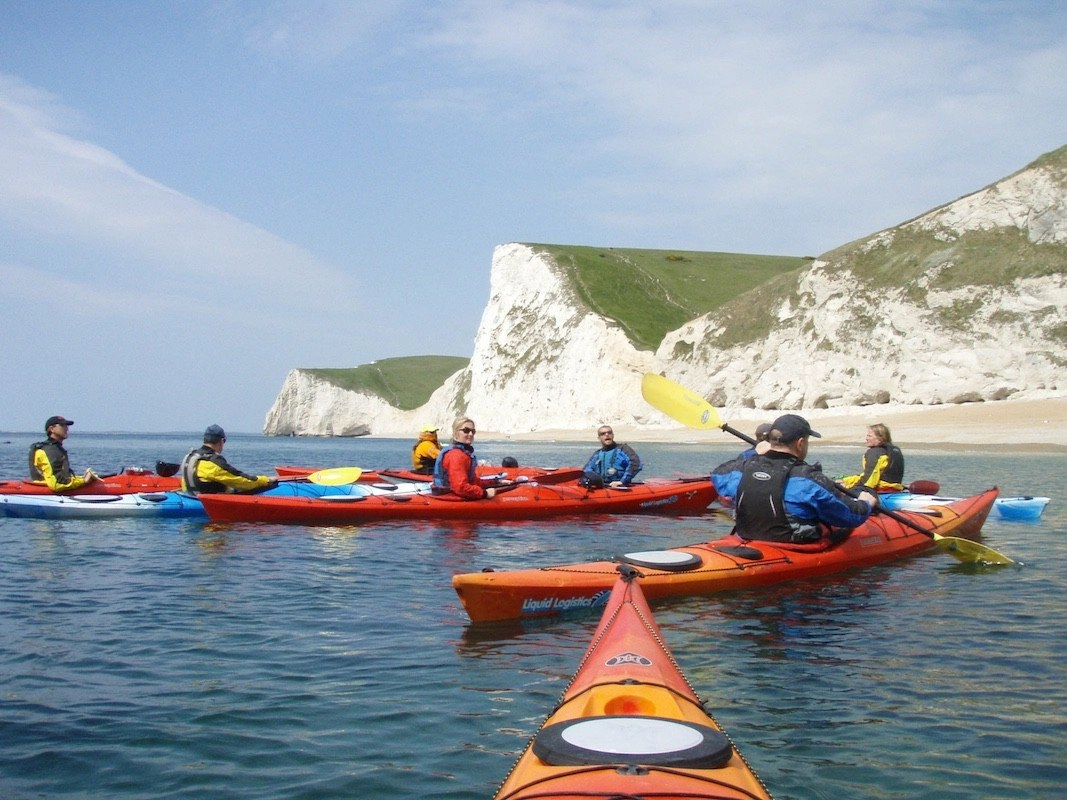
[{"x": 1006, "y": 425}]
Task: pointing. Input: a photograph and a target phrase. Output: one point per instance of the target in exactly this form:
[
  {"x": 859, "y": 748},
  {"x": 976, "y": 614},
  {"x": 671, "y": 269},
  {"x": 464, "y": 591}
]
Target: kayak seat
[{"x": 630, "y": 739}]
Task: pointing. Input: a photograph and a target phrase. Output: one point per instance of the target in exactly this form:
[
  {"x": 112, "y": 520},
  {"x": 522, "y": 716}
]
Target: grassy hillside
[
  {"x": 651, "y": 292},
  {"x": 405, "y": 383}
]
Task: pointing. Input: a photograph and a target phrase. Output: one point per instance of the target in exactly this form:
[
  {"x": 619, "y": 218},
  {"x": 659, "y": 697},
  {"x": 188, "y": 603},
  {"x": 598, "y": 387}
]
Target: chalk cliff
[{"x": 911, "y": 315}]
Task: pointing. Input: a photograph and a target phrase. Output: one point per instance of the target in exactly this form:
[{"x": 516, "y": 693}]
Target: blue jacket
[{"x": 617, "y": 463}]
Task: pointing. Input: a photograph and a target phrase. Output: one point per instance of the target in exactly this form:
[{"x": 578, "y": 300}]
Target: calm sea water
[{"x": 172, "y": 659}]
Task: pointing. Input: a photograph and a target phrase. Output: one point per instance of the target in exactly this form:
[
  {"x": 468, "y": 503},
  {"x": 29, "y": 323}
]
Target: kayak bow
[{"x": 629, "y": 725}]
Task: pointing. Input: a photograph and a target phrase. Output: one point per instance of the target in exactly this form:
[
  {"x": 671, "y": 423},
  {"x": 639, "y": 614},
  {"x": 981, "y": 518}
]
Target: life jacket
[
  {"x": 57, "y": 457},
  {"x": 440, "y": 474},
  {"x": 423, "y": 462},
  {"x": 617, "y": 463},
  {"x": 760, "y": 501},
  {"x": 894, "y": 470},
  {"x": 191, "y": 481}
]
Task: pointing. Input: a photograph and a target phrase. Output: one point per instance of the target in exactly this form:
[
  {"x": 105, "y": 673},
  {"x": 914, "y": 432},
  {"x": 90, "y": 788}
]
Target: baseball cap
[
  {"x": 214, "y": 433},
  {"x": 428, "y": 429},
  {"x": 57, "y": 421},
  {"x": 793, "y": 427}
]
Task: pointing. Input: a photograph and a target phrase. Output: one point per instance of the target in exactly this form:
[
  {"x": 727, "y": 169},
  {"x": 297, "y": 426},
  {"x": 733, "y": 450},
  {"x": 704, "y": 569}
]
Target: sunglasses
[{"x": 467, "y": 430}]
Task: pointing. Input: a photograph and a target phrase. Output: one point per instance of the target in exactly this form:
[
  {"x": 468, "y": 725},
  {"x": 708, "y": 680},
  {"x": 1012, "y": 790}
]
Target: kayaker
[
  {"x": 49, "y": 462},
  {"x": 454, "y": 471},
  {"x": 425, "y": 451},
  {"x": 613, "y": 464},
  {"x": 762, "y": 432},
  {"x": 778, "y": 497},
  {"x": 206, "y": 471},
  {"x": 883, "y": 463}
]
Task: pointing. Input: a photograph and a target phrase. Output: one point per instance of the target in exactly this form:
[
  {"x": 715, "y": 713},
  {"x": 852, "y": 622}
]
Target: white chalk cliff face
[{"x": 543, "y": 361}]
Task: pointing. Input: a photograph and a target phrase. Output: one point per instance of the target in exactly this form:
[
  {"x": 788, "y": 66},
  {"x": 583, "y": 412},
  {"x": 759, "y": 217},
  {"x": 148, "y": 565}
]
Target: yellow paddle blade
[
  {"x": 970, "y": 552},
  {"x": 337, "y": 476},
  {"x": 679, "y": 403}
]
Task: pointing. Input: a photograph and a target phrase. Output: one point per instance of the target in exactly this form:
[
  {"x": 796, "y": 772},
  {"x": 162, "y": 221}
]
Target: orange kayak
[
  {"x": 520, "y": 501},
  {"x": 716, "y": 566},
  {"x": 629, "y": 725}
]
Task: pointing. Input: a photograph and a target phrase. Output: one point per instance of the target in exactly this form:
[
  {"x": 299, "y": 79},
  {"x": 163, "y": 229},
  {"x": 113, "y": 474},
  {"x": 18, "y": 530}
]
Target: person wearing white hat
[{"x": 425, "y": 451}]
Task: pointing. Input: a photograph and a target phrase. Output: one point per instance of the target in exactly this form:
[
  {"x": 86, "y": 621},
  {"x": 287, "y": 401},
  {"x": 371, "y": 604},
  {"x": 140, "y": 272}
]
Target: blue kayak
[
  {"x": 170, "y": 505},
  {"x": 1014, "y": 508}
]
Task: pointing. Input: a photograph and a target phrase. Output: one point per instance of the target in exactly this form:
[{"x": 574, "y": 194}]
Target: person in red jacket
[{"x": 454, "y": 471}]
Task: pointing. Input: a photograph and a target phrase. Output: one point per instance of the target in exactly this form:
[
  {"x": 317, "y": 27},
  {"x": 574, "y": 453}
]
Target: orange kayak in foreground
[
  {"x": 520, "y": 501},
  {"x": 709, "y": 567},
  {"x": 629, "y": 725}
]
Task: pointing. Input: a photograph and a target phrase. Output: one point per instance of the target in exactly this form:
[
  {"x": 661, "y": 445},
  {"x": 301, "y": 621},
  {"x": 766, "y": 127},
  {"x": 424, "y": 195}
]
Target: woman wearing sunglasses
[{"x": 454, "y": 471}]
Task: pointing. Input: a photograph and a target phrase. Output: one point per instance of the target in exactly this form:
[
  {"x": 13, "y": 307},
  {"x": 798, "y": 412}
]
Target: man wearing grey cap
[
  {"x": 206, "y": 471},
  {"x": 778, "y": 497},
  {"x": 49, "y": 462}
]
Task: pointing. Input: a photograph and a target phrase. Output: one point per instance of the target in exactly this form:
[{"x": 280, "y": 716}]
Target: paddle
[{"x": 694, "y": 411}]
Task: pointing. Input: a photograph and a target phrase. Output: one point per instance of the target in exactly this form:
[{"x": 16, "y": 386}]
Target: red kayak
[
  {"x": 716, "y": 566},
  {"x": 629, "y": 725},
  {"x": 520, "y": 501},
  {"x": 129, "y": 481}
]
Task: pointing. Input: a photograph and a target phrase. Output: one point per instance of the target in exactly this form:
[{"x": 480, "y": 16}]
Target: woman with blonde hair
[
  {"x": 454, "y": 471},
  {"x": 883, "y": 463}
]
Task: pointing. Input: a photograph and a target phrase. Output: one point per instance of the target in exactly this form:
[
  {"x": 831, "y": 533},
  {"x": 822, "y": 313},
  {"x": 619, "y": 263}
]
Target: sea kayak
[
  {"x": 101, "y": 506},
  {"x": 171, "y": 504},
  {"x": 710, "y": 567},
  {"x": 1013, "y": 508},
  {"x": 519, "y": 501},
  {"x": 129, "y": 481},
  {"x": 629, "y": 725}
]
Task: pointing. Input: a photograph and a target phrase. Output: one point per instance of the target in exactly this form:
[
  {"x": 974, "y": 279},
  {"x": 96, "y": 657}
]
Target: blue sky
[{"x": 197, "y": 196}]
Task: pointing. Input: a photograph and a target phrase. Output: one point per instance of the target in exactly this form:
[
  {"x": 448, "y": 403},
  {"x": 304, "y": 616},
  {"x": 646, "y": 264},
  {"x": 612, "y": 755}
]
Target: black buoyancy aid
[
  {"x": 894, "y": 470},
  {"x": 760, "y": 500},
  {"x": 57, "y": 457}
]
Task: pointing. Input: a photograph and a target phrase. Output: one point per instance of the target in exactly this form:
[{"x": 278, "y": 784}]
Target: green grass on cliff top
[
  {"x": 649, "y": 293},
  {"x": 405, "y": 383}
]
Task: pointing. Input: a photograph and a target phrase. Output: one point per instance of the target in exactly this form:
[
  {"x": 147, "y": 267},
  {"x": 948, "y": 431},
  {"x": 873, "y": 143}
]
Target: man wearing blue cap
[
  {"x": 206, "y": 471},
  {"x": 49, "y": 462},
  {"x": 778, "y": 497}
]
